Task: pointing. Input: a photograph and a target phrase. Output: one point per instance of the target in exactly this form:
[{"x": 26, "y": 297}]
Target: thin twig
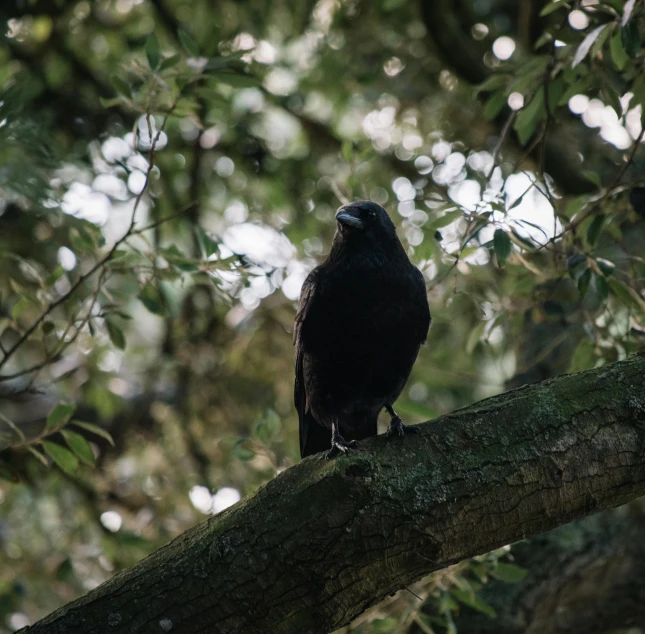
[
  {"x": 498, "y": 146},
  {"x": 64, "y": 344},
  {"x": 103, "y": 261},
  {"x": 163, "y": 220},
  {"x": 580, "y": 218}
]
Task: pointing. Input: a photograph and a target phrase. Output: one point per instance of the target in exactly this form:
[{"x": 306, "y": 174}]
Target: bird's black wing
[
  {"x": 423, "y": 310},
  {"x": 313, "y": 437}
]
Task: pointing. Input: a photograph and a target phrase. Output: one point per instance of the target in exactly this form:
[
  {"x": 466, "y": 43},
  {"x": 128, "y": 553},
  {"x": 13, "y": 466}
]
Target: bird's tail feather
[{"x": 314, "y": 438}]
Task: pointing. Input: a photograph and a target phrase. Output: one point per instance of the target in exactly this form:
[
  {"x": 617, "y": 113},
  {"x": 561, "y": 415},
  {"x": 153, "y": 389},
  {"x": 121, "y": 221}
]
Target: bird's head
[{"x": 365, "y": 219}]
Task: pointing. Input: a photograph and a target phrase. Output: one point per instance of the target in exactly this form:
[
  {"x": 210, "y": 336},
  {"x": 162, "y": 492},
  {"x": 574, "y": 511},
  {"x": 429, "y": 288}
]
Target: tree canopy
[{"x": 169, "y": 173}]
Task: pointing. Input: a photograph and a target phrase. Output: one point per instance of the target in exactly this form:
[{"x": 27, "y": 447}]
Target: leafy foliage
[{"x": 167, "y": 180}]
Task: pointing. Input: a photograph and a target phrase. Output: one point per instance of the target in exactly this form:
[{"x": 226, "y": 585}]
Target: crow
[{"x": 362, "y": 316}]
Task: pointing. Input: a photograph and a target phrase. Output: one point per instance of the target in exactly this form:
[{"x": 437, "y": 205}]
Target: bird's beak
[{"x": 347, "y": 216}]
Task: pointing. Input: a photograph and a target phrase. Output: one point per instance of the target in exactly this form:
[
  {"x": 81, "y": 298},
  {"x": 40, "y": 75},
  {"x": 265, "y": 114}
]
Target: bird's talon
[
  {"x": 340, "y": 445},
  {"x": 397, "y": 428}
]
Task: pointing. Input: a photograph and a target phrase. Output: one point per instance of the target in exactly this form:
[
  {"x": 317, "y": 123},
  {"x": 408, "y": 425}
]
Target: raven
[{"x": 362, "y": 316}]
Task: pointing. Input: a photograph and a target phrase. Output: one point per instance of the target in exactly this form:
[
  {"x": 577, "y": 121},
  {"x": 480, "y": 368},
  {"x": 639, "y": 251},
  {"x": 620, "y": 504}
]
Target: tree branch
[{"x": 325, "y": 540}]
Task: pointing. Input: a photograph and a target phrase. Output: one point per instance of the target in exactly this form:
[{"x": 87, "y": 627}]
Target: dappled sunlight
[{"x": 169, "y": 177}]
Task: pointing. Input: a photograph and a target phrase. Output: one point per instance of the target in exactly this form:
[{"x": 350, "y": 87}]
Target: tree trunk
[
  {"x": 584, "y": 578},
  {"x": 327, "y": 539}
]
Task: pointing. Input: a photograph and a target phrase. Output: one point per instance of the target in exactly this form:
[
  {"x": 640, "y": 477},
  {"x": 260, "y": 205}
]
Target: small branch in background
[
  {"x": 98, "y": 265},
  {"x": 580, "y": 218},
  {"x": 502, "y": 138},
  {"x": 536, "y": 141},
  {"x": 342, "y": 198},
  {"x": 549, "y": 120},
  {"x": 161, "y": 221}
]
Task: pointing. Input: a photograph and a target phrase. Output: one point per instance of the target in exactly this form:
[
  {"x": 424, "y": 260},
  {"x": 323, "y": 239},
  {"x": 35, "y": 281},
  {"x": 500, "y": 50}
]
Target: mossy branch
[{"x": 325, "y": 540}]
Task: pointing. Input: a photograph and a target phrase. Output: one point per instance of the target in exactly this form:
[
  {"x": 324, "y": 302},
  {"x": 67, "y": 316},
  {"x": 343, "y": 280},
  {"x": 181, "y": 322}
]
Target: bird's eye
[{"x": 371, "y": 214}]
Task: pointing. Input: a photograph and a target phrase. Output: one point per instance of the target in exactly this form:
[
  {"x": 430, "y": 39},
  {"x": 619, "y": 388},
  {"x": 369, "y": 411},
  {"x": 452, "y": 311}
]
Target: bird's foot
[
  {"x": 397, "y": 428},
  {"x": 339, "y": 446}
]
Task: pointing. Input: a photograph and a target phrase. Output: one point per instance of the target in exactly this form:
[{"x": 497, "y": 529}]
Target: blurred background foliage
[{"x": 169, "y": 173}]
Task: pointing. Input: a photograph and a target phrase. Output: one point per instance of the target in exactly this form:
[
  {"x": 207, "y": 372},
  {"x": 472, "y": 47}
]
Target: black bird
[{"x": 363, "y": 315}]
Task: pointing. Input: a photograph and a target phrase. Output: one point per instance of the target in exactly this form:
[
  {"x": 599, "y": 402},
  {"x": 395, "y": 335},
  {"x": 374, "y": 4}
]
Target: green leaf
[
  {"x": 242, "y": 452},
  {"x": 94, "y": 429},
  {"x": 60, "y": 415},
  {"x": 638, "y": 88},
  {"x": 79, "y": 446},
  {"x": 584, "y": 358},
  {"x": 152, "y": 51},
  {"x": 609, "y": 95},
  {"x": 575, "y": 264},
  {"x": 121, "y": 86},
  {"x": 583, "y": 282},
  {"x": 472, "y": 600},
  {"x": 545, "y": 38},
  {"x": 627, "y": 295},
  {"x": 177, "y": 259},
  {"x": 188, "y": 43},
  {"x": 65, "y": 571},
  {"x": 347, "y": 151},
  {"x": 208, "y": 245},
  {"x": 54, "y": 276},
  {"x": 602, "y": 287},
  {"x": 110, "y": 103},
  {"x": 494, "y": 105},
  {"x": 578, "y": 87},
  {"x": 606, "y": 267},
  {"x": 594, "y": 229},
  {"x": 19, "y": 307},
  {"x": 553, "y": 6},
  {"x": 529, "y": 116},
  {"x": 86, "y": 237},
  {"x": 592, "y": 177},
  {"x": 627, "y": 11},
  {"x": 36, "y": 454},
  {"x": 448, "y": 218},
  {"x": 475, "y": 336},
  {"x": 48, "y": 327},
  {"x": 618, "y": 54},
  {"x": 630, "y": 38},
  {"x": 151, "y": 299},
  {"x": 269, "y": 427},
  {"x": 522, "y": 241},
  {"x": 494, "y": 82},
  {"x": 64, "y": 458},
  {"x": 575, "y": 206},
  {"x": 390, "y": 5},
  {"x": 169, "y": 62},
  {"x": 556, "y": 90},
  {"x": 502, "y": 246},
  {"x": 385, "y": 625},
  {"x": 586, "y": 44},
  {"x": 508, "y": 572},
  {"x": 117, "y": 336},
  {"x": 230, "y": 62},
  {"x": 600, "y": 42},
  {"x": 237, "y": 80}
]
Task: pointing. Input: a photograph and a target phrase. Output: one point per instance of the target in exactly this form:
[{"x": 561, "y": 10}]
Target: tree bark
[{"x": 325, "y": 540}]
